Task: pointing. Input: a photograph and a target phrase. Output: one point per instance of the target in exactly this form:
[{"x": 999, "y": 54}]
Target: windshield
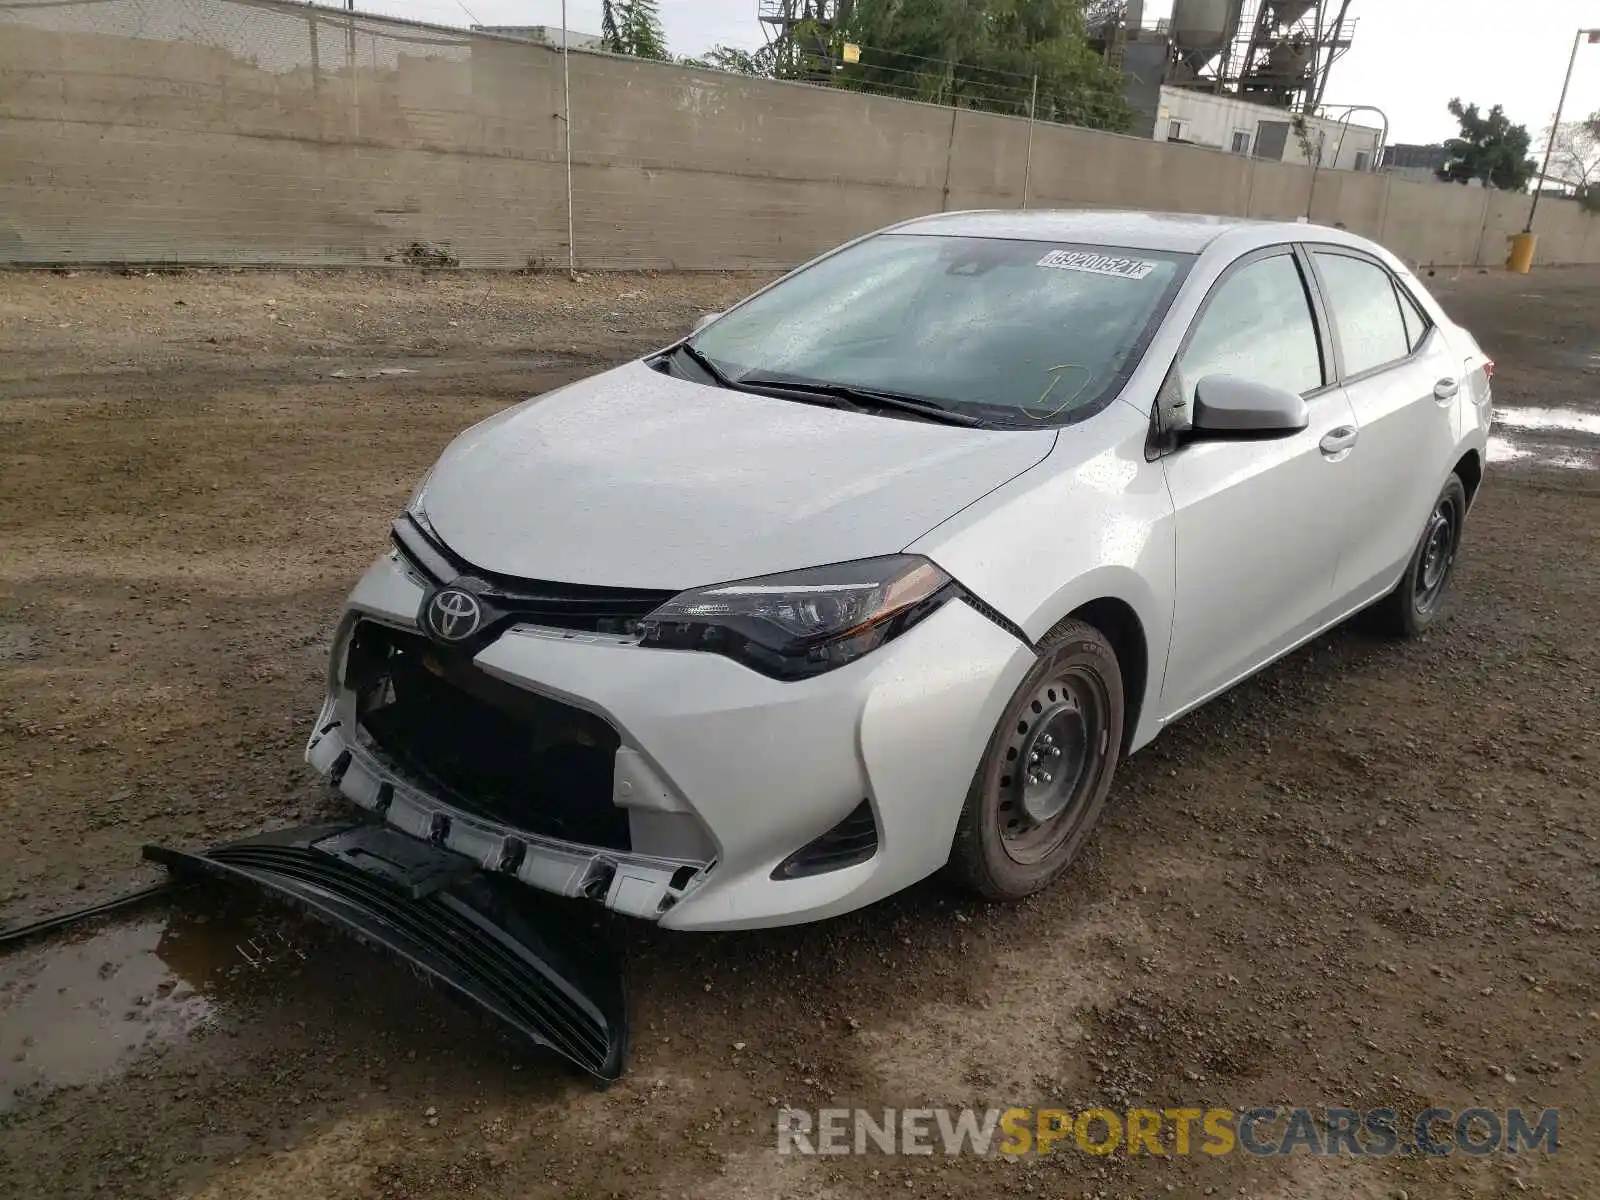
[{"x": 1016, "y": 332}]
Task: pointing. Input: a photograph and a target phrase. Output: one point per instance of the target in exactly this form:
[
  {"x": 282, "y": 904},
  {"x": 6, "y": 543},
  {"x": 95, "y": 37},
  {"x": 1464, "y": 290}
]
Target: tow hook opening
[{"x": 598, "y": 883}]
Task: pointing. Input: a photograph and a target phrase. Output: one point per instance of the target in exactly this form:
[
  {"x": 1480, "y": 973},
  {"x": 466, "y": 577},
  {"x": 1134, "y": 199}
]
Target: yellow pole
[{"x": 1520, "y": 259}]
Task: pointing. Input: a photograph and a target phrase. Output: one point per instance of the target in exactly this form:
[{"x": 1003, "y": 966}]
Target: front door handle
[
  {"x": 1336, "y": 443},
  {"x": 1446, "y": 389}
]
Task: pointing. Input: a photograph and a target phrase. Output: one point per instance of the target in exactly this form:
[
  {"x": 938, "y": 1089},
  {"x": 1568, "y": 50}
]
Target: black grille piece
[
  {"x": 853, "y": 840},
  {"x": 508, "y": 600},
  {"x": 482, "y": 744},
  {"x": 491, "y": 943}
]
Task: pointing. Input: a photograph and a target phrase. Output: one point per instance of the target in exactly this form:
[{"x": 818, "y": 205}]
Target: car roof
[{"x": 1184, "y": 233}]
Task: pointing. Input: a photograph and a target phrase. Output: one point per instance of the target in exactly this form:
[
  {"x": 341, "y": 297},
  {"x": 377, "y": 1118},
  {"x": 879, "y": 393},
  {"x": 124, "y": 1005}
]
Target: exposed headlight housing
[{"x": 802, "y": 623}]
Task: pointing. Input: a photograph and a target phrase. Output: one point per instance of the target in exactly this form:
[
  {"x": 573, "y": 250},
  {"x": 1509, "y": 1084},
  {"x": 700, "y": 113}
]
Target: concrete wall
[
  {"x": 251, "y": 131},
  {"x": 1438, "y": 223}
]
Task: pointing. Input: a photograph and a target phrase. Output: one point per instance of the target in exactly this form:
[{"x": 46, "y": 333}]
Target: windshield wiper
[
  {"x": 865, "y": 398},
  {"x": 707, "y": 365},
  {"x": 838, "y": 394},
  {"x": 802, "y": 394}
]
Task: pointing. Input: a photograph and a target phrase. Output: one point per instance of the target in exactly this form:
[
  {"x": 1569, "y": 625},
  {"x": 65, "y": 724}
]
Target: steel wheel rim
[
  {"x": 1048, "y": 766},
  {"x": 1438, "y": 553}
]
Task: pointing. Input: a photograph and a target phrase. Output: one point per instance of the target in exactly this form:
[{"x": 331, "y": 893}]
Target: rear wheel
[
  {"x": 1044, "y": 777},
  {"x": 1418, "y": 598}
]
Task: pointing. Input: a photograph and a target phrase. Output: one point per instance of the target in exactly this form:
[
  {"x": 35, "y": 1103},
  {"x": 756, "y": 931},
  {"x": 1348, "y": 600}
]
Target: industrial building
[
  {"x": 1244, "y": 76},
  {"x": 1240, "y": 126},
  {"x": 1276, "y": 53},
  {"x": 1419, "y": 163}
]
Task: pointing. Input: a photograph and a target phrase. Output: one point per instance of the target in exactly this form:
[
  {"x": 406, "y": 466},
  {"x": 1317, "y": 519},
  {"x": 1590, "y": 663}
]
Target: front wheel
[
  {"x": 1044, "y": 777},
  {"x": 1417, "y": 599}
]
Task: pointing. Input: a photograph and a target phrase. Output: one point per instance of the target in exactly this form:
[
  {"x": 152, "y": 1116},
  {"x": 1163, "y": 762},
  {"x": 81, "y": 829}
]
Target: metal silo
[{"x": 1202, "y": 29}]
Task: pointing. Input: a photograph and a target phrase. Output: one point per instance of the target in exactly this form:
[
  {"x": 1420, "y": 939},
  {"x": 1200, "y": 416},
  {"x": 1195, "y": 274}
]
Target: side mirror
[
  {"x": 1228, "y": 406},
  {"x": 703, "y": 320}
]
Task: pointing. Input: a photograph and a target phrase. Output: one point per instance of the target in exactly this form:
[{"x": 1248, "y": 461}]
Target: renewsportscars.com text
[{"x": 1165, "y": 1132}]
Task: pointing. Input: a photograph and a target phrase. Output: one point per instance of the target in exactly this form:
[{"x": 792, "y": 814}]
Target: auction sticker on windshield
[{"x": 1098, "y": 264}]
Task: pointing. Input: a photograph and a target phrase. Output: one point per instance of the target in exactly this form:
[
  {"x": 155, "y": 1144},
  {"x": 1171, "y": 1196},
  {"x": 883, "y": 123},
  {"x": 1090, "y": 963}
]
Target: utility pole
[
  {"x": 1027, "y": 166},
  {"x": 1555, "y": 126},
  {"x": 350, "y": 65},
  {"x": 566, "y": 126}
]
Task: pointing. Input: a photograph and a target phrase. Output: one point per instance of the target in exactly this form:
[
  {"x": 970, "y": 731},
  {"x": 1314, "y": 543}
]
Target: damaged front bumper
[
  {"x": 510, "y": 954},
  {"x": 718, "y": 775},
  {"x": 640, "y": 885}
]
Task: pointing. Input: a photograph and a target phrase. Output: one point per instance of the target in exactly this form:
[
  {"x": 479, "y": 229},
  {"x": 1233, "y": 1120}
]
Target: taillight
[{"x": 1488, "y": 368}]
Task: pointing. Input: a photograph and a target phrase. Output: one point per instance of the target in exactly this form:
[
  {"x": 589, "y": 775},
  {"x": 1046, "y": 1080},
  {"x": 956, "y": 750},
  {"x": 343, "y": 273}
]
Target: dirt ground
[{"x": 1368, "y": 877}]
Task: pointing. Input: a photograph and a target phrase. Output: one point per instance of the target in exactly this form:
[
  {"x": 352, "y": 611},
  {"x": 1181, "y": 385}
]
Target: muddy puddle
[
  {"x": 1546, "y": 437},
  {"x": 77, "y": 1008}
]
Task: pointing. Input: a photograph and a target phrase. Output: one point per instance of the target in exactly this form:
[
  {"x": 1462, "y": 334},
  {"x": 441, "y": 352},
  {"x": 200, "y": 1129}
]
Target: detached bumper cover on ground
[{"x": 488, "y": 941}]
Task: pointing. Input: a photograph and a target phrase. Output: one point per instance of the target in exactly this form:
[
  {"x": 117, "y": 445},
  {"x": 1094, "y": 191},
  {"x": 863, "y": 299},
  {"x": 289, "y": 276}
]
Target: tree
[
  {"x": 1575, "y": 158},
  {"x": 1311, "y": 150},
  {"x": 610, "y": 34},
  {"x": 1490, "y": 150},
  {"x": 741, "y": 62},
  {"x": 985, "y": 54},
  {"x": 632, "y": 27}
]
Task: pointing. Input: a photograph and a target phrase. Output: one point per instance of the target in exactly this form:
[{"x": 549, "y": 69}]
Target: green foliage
[
  {"x": 807, "y": 52},
  {"x": 760, "y": 62},
  {"x": 983, "y": 54},
  {"x": 632, "y": 27},
  {"x": 1302, "y": 134},
  {"x": 1490, "y": 149}
]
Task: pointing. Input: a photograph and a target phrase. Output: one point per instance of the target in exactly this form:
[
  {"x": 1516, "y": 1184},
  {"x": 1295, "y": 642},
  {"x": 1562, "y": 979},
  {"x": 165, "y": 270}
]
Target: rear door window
[
  {"x": 1366, "y": 312},
  {"x": 1417, "y": 324}
]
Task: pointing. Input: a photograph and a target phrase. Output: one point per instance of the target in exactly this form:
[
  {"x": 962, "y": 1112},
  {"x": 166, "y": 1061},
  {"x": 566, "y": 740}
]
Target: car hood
[{"x": 633, "y": 478}]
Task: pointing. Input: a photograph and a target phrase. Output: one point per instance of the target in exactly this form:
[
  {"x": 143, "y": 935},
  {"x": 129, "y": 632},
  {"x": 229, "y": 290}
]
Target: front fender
[{"x": 1093, "y": 521}]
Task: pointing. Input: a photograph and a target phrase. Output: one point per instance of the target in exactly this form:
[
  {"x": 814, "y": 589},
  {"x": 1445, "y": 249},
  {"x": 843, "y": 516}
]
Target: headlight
[{"x": 802, "y": 623}]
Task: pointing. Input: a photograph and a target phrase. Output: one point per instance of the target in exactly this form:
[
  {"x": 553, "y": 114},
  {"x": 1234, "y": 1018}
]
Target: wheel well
[
  {"x": 1471, "y": 471},
  {"x": 1120, "y": 624}
]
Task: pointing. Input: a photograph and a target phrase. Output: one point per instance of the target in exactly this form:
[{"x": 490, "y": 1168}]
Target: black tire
[
  {"x": 1011, "y": 840},
  {"x": 1418, "y": 600}
]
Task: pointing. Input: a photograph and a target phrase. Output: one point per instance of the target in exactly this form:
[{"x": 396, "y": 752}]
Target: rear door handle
[
  {"x": 1446, "y": 389},
  {"x": 1336, "y": 443}
]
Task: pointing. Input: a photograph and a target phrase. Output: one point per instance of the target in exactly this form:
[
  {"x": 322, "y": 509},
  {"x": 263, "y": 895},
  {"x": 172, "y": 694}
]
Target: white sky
[{"x": 1409, "y": 57}]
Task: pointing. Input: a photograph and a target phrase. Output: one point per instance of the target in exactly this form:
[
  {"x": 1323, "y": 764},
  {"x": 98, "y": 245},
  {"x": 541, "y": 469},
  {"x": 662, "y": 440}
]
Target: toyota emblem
[{"x": 453, "y": 615}]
